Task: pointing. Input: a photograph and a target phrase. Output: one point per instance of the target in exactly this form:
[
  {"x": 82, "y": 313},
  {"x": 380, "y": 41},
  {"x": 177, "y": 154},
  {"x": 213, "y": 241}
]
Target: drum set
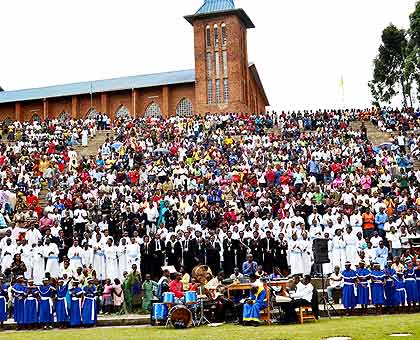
[{"x": 180, "y": 313}]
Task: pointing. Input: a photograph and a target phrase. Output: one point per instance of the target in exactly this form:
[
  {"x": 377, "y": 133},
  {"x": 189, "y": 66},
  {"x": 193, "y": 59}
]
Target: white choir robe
[
  {"x": 296, "y": 260},
  {"x": 27, "y": 258},
  {"x": 51, "y": 254},
  {"x": 7, "y": 254},
  {"x": 338, "y": 253},
  {"x": 87, "y": 257},
  {"x": 122, "y": 260},
  {"x": 111, "y": 260},
  {"x": 351, "y": 248},
  {"x": 99, "y": 262},
  {"x": 133, "y": 255},
  {"x": 75, "y": 256},
  {"x": 38, "y": 265},
  {"x": 306, "y": 258}
]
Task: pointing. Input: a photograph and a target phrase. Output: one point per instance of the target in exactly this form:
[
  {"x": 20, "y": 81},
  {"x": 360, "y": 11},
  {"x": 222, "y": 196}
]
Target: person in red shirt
[{"x": 176, "y": 286}]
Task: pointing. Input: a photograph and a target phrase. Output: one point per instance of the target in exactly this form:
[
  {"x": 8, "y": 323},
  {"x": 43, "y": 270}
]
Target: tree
[{"x": 390, "y": 73}]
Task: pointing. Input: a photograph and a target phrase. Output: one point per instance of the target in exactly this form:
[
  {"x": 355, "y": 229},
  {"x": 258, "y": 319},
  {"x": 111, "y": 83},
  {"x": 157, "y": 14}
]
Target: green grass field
[{"x": 358, "y": 328}]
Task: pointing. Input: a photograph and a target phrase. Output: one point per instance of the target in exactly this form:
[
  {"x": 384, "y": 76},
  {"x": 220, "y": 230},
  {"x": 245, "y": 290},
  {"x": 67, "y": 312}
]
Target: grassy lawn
[{"x": 358, "y": 328}]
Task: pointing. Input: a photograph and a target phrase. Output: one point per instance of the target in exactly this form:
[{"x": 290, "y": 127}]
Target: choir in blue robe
[
  {"x": 400, "y": 297},
  {"x": 377, "y": 287},
  {"x": 389, "y": 286},
  {"x": 31, "y": 306},
  {"x": 19, "y": 291},
  {"x": 349, "y": 299},
  {"x": 76, "y": 294},
  {"x": 45, "y": 305},
  {"x": 411, "y": 286},
  {"x": 89, "y": 311},
  {"x": 3, "y": 302},
  {"x": 252, "y": 311},
  {"x": 417, "y": 275},
  {"x": 363, "y": 286},
  {"x": 61, "y": 306}
]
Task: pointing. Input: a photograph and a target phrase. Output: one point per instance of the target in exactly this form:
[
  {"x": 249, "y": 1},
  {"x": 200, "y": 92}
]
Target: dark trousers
[{"x": 289, "y": 309}]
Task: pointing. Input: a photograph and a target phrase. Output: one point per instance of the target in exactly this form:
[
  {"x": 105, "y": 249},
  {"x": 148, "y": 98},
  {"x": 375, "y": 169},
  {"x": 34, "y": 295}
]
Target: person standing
[
  {"x": 18, "y": 293},
  {"x": 363, "y": 275},
  {"x": 377, "y": 289},
  {"x": 30, "y": 309},
  {"x": 61, "y": 307},
  {"x": 411, "y": 286},
  {"x": 349, "y": 299},
  {"x": 390, "y": 275},
  {"x": 158, "y": 251},
  {"x": 46, "y": 316},
  {"x": 76, "y": 295},
  {"x": 89, "y": 309},
  {"x": 296, "y": 262},
  {"x": 111, "y": 260},
  {"x": 4, "y": 298}
]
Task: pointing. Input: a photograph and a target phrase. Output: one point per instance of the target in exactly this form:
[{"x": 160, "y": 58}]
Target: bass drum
[{"x": 181, "y": 317}]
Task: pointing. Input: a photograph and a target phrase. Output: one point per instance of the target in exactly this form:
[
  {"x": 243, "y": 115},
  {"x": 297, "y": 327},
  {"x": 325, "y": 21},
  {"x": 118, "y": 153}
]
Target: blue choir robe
[
  {"x": 31, "y": 306},
  {"x": 89, "y": 311},
  {"x": 252, "y": 311},
  {"x": 61, "y": 305},
  {"x": 3, "y": 302},
  {"x": 389, "y": 286},
  {"x": 349, "y": 298},
  {"x": 417, "y": 275},
  {"x": 400, "y": 297},
  {"x": 76, "y": 306},
  {"x": 411, "y": 286},
  {"x": 19, "y": 291},
  {"x": 378, "y": 290},
  {"x": 363, "y": 286},
  {"x": 46, "y": 305}
]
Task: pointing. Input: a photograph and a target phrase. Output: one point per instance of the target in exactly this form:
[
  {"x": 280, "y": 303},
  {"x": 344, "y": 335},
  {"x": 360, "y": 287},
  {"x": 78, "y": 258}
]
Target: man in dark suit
[
  {"x": 158, "y": 253},
  {"x": 230, "y": 247},
  {"x": 213, "y": 218},
  {"x": 267, "y": 246},
  {"x": 190, "y": 252}
]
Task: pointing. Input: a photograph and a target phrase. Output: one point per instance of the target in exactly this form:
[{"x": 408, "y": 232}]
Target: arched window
[
  {"x": 122, "y": 112},
  {"x": 153, "y": 111},
  {"x": 184, "y": 108},
  {"x": 92, "y": 114},
  {"x": 216, "y": 36},
  {"x": 208, "y": 37},
  {"x": 64, "y": 116},
  {"x": 224, "y": 35},
  {"x": 36, "y": 118}
]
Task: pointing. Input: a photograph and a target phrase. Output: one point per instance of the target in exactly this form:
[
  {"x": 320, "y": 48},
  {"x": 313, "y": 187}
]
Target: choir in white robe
[
  {"x": 338, "y": 253},
  {"x": 99, "y": 259},
  {"x": 122, "y": 260},
  {"x": 296, "y": 261},
  {"x": 111, "y": 259},
  {"x": 51, "y": 254},
  {"x": 38, "y": 262},
  {"x": 75, "y": 256},
  {"x": 351, "y": 248},
  {"x": 133, "y": 255},
  {"x": 7, "y": 254}
]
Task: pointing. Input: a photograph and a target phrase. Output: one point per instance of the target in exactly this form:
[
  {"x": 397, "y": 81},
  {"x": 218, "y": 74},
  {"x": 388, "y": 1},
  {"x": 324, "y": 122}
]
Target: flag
[{"x": 342, "y": 82}]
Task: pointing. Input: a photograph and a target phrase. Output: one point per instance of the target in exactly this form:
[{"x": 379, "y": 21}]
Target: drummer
[{"x": 177, "y": 287}]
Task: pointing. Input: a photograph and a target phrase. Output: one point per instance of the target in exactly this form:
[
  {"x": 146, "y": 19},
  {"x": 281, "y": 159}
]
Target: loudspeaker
[{"x": 320, "y": 248}]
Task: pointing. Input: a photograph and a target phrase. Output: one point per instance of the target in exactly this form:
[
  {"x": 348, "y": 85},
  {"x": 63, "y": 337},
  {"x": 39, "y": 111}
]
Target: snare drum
[
  {"x": 159, "y": 311},
  {"x": 190, "y": 298},
  {"x": 169, "y": 298}
]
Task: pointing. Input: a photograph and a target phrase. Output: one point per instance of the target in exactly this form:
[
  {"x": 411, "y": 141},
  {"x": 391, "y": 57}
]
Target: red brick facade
[{"x": 245, "y": 92}]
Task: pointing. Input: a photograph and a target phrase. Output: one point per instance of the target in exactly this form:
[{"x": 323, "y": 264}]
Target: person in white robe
[
  {"x": 296, "y": 261},
  {"x": 111, "y": 258},
  {"x": 51, "y": 254},
  {"x": 99, "y": 257},
  {"x": 27, "y": 257},
  {"x": 133, "y": 254},
  {"x": 338, "y": 252},
  {"x": 87, "y": 255},
  {"x": 75, "y": 255},
  {"x": 122, "y": 257},
  {"x": 7, "y": 253},
  {"x": 85, "y": 136},
  {"x": 351, "y": 241},
  {"x": 306, "y": 247},
  {"x": 38, "y": 262}
]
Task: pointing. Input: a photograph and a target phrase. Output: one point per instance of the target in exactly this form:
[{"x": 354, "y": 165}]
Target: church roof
[
  {"x": 97, "y": 86},
  {"x": 211, "y": 6},
  {"x": 220, "y": 7}
]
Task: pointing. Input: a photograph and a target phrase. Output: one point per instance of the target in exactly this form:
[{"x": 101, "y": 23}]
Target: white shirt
[{"x": 303, "y": 292}]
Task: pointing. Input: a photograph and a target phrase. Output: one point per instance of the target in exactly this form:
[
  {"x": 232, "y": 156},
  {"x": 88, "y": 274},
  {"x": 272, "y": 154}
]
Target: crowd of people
[{"x": 229, "y": 191}]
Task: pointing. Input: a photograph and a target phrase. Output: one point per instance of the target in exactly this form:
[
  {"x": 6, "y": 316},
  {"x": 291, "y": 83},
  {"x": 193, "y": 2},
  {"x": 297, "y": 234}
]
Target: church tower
[{"x": 221, "y": 58}]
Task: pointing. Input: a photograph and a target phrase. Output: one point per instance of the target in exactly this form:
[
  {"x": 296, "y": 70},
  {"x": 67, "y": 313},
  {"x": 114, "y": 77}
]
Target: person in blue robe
[
  {"x": 76, "y": 295},
  {"x": 349, "y": 298},
  {"x": 18, "y": 292},
  {"x": 46, "y": 316},
  {"x": 417, "y": 275},
  {"x": 89, "y": 310},
  {"x": 4, "y": 297},
  {"x": 411, "y": 286},
  {"x": 30, "y": 319},
  {"x": 400, "y": 297},
  {"x": 389, "y": 285},
  {"x": 377, "y": 287},
  {"x": 363, "y": 275},
  {"x": 254, "y": 305},
  {"x": 61, "y": 305}
]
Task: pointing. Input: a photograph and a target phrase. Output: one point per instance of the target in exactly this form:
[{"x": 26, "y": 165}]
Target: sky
[{"x": 301, "y": 48}]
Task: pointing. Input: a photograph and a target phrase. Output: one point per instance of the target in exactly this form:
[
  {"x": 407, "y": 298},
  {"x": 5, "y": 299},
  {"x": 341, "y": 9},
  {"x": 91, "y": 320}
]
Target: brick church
[{"x": 223, "y": 80}]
